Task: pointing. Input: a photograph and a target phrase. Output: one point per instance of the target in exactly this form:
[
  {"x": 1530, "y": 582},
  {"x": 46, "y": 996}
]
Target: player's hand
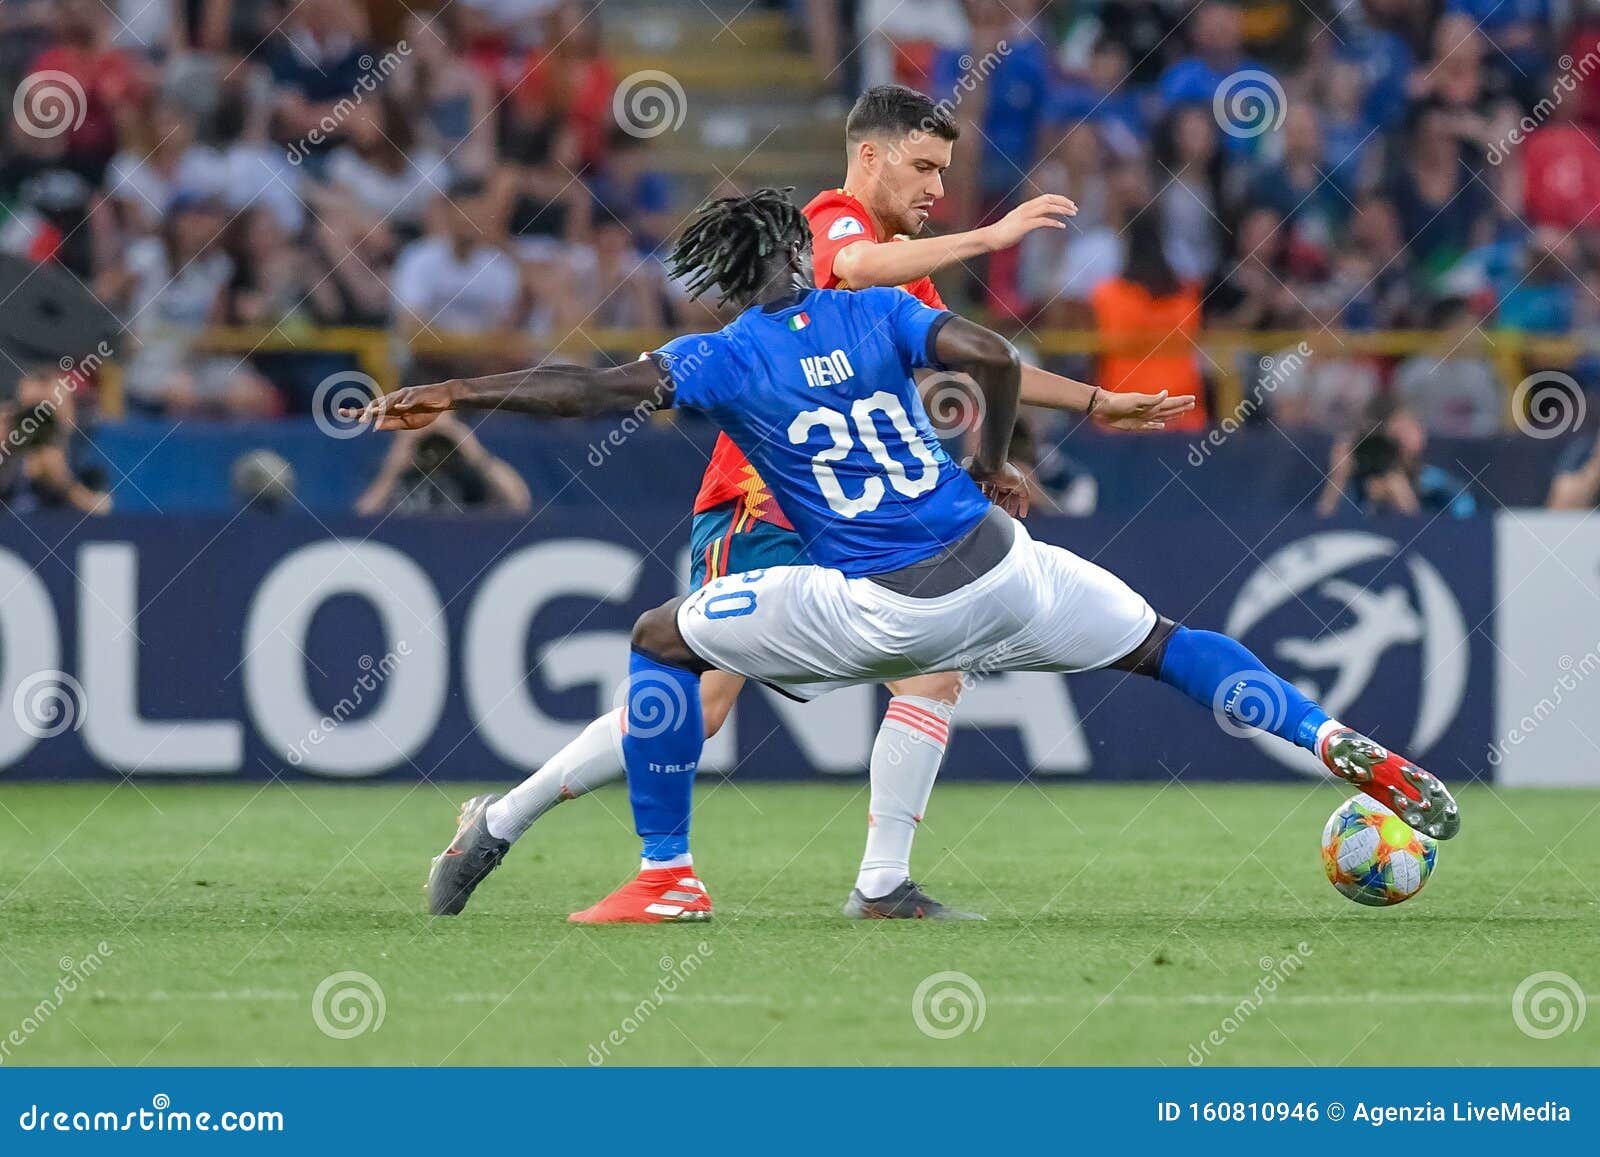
[
  {"x": 1008, "y": 490},
  {"x": 1046, "y": 212},
  {"x": 1140, "y": 411},
  {"x": 409, "y": 409}
]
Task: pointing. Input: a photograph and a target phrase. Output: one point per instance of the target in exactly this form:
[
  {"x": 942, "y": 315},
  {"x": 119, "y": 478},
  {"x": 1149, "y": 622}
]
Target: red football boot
[
  {"x": 654, "y": 896},
  {"x": 1398, "y": 784}
]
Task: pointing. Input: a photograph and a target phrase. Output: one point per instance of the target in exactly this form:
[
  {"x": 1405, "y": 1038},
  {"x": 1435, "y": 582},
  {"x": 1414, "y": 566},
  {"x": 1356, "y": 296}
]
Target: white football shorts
[{"x": 808, "y": 630}]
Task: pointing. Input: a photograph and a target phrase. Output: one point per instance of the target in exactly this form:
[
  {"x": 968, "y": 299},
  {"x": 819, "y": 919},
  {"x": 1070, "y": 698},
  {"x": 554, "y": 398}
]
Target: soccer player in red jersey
[{"x": 899, "y": 144}]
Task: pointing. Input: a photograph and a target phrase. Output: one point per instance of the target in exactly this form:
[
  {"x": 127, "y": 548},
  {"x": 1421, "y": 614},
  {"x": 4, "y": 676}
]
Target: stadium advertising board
[
  {"x": 474, "y": 648},
  {"x": 1547, "y": 668}
]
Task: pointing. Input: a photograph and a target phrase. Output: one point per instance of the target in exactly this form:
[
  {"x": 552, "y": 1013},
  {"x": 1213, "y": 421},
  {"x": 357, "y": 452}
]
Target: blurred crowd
[
  {"x": 1262, "y": 166},
  {"x": 261, "y": 163},
  {"x": 1249, "y": 166},
  {"x": 1267, "y": 166}
]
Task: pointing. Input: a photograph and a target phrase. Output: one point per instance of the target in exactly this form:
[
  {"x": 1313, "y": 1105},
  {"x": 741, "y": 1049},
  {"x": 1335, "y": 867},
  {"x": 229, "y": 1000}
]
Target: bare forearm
[
  {"x": 1054, "y": 392},
  {"x": 565, "y": 391},
  {"x": 557, "y": 391},
  {"x": 998, "y": 374},
  {"x": 993, "y": 364},
  {"x": 1000, "y": 390},
  {"x": 866, "y": 264}
]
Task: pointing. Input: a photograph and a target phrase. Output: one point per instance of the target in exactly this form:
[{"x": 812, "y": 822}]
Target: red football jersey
[{"x": 837, "y": 219}]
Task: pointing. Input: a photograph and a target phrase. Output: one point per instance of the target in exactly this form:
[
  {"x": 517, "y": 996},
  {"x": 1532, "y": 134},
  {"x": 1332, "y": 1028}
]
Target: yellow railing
[{"x": 1222, "y": 352}]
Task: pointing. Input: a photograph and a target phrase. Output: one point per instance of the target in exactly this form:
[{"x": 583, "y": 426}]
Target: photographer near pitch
[
  {"x": 36, "y": 435},
  {"x": 443, "y": 469},
  {"x": 1381, "y": 469}
]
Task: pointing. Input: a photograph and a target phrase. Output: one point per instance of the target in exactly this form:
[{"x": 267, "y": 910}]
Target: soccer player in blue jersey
[{"x": 917, "y": 564}]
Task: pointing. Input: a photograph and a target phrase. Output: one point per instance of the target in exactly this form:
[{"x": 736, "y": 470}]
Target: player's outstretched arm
[
  {"x": 1122, "y": 411},
  {"x": 555, "y": 391},
  {"x": 866, "y": 263},
  {"x": 992, "y": 363}
]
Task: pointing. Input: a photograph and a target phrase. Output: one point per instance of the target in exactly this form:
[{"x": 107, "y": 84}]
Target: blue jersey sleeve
[
  {"x": 913, "y": 326},
  {"x": 697, "y": 365}
]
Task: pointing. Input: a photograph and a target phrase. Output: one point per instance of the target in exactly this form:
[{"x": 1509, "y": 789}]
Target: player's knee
[
  {"x": 1146, "y": 658},
  {"x": 946, "y": 686},
  {"x": 656, "y": 634}
]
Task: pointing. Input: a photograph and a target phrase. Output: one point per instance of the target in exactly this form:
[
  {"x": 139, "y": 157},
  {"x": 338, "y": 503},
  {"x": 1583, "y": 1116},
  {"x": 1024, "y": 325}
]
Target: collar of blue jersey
[{"x": 787, "y": 301}]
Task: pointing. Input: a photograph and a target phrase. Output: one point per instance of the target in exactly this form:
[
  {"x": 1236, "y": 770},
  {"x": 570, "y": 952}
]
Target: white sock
[
  {"x": 684, "y": 861},
  {"x": 589, "y": 761},
  {"x": 905, "y": 761},
  {"x": 1328, "y": 728}
]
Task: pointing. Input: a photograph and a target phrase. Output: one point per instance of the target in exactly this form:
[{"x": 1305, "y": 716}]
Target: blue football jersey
[{"x": 818, "y": 393}]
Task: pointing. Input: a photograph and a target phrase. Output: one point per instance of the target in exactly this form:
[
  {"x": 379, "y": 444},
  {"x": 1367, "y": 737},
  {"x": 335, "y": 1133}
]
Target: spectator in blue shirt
[
  {"x": 1103, "y": 97},
  {"x": 1385, "y": 59},
  {"x": 1217, "y": 37},
  {"x": 1007, "y": 68},
  {"x": 1544, "y": 300},
  {"x": 1350, "y": 137},
  {"x": 1515, "y": 27}
]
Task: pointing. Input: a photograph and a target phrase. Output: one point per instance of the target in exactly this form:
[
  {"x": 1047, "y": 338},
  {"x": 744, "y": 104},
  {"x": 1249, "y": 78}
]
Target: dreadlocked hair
[{"x": 732, "y": 239}]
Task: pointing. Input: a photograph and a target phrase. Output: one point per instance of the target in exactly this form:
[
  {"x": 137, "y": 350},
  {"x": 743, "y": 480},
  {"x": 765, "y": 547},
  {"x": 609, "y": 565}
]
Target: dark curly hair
[{"x": 734, "y": 243}]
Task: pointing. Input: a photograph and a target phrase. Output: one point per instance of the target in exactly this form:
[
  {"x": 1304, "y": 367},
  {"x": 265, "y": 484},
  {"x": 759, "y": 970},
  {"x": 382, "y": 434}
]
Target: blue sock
[
  {"x": 1222, "y": 675},
  {"x": 661, "y": 749}
]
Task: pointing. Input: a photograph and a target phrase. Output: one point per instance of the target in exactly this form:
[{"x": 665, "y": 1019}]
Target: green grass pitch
[{"x": 1127, "y": 925}]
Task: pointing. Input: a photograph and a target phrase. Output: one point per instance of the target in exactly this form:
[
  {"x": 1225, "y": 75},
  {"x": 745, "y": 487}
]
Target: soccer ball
[{"x": 1373, "y": 856}]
